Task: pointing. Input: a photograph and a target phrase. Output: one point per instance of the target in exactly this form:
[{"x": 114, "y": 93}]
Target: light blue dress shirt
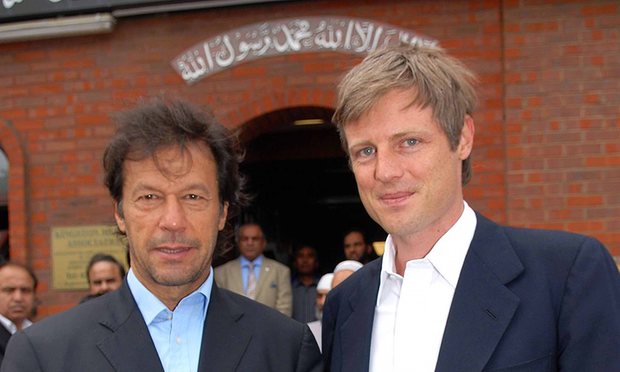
[
  {"x": 245, "y": 269},
  {"x": 177, "y": 334}
]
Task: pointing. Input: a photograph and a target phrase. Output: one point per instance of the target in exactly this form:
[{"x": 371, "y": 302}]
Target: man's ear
[
  {"x": 466, "y": 141},
  {"x": 119, "y": 217},
  {"x": 223, "y": 216}
]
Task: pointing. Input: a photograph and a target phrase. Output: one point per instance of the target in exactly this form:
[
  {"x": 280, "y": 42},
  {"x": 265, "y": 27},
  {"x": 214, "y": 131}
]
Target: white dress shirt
[
  {"x": 10, "y": 326},
  {"x": 411, "y": 311}
]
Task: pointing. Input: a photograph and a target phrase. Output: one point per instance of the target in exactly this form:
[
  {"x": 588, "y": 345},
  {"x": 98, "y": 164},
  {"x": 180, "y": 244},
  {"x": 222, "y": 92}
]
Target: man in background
[
  {"x": 104, "y": 274},
  {"x": 254, "y": 275},
  {"x": 356, "y": 247},
  {"x": 17, "y": 299},
  {"x": 306, "y": 264},
  {"x": 322, "y": 289},
  {"x": 327, "y": 282}
]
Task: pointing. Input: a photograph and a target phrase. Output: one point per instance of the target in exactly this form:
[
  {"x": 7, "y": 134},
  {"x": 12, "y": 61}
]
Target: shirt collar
[
  {"x": 258, "y": 261},
  {"x": 447, "y": 255},
  {"x": 150, "y": 306},
  {"x": 389, "y": 253},
  {"x": 27, "y": 323},
  {"x": 10, "y": 326}
]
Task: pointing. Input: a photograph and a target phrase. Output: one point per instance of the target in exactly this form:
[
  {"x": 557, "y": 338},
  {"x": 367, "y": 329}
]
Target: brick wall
[
  {"x": 547, "y": 148},
  {"x": 562, "y": 73}
]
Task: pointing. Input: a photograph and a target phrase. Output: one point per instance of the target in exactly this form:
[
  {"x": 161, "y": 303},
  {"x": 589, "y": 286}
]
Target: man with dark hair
[
  {"x": 17, "y": 300},
  {"x": 305, "y": 279},
  {"x": 173, "y": 175},
  {"x": 356, "y": 246},
  {"x": 104, "y": 274},
  {"x": 453, "y": 290}
]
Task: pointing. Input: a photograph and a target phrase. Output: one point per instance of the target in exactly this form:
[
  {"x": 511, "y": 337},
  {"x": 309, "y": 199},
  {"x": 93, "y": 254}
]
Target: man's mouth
[
  {"x": 173, "y": 251},
  {"x": 395, "y": 198}
]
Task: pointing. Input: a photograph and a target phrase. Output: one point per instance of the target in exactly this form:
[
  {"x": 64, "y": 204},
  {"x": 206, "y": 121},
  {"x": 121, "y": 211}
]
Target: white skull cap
[
  {"x": 325, "y": 283},
  {"x": 348, "y": 265}
]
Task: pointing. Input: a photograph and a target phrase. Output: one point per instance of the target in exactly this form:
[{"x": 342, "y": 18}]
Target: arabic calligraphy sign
[{"x": 287, "y": 36}]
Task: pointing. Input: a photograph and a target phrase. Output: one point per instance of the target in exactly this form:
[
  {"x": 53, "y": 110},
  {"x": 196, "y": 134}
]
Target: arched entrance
[
  {"x": 16, "y": 202},
  {"x": 304, "y": 192}
]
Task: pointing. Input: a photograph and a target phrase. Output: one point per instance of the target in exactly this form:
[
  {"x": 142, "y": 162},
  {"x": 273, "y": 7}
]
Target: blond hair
[{"x": 438, "y": 81}]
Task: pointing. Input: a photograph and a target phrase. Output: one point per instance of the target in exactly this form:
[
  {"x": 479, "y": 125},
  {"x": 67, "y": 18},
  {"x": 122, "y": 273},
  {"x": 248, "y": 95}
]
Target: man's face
[
  {"x": 16, "y": 294},
  {"x": 305, "y": 261},
  {"x": 172, "y": 222},
  {"x": 321, "y": 296},
  {"x": 104, "y": 277},
  {"x": 355, "y": 248},
  {"x": 251, "y": 241},
  {"x": 408, "y": 178}
]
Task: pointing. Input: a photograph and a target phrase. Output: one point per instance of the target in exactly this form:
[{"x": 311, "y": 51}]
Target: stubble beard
[{"x": 174, "y": 275}]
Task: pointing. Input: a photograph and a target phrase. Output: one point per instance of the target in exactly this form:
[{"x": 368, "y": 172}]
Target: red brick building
[{"x": 547, "y": 150}]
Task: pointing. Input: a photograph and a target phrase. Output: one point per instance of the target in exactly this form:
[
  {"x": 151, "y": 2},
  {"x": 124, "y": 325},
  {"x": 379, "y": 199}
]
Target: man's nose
[
  {"x": 387, "y": 166},
  {"x": 18, "y": 295},
  {"x": 173, "y": 216}
]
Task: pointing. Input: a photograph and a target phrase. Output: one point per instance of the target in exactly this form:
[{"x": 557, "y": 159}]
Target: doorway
[{"x": 303, "y": 189}]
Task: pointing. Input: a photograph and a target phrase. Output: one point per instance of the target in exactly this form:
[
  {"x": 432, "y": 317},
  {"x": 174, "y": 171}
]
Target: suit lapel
[
  {"x": 129, "y": 332},
  {"x": 482, "y": 306},
  {"x": 266, "y": 273},
  {"x": 357, "y": 328},
  {"x": 224, "y": 338}
]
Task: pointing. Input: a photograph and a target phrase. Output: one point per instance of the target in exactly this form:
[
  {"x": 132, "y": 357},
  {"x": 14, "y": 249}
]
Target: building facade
[{"x": 547, "y": 152}]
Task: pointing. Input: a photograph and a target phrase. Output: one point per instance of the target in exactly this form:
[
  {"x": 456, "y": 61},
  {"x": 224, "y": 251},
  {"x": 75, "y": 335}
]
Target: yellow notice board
[{"x": 72, "y": 248}]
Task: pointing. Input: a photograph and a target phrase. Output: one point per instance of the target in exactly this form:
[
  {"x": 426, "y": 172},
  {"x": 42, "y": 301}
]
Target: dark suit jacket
[
  {"x": 4, "y": 340},
  {"x": 109, "y": 334},
  {"x": 526, "y": 300}
]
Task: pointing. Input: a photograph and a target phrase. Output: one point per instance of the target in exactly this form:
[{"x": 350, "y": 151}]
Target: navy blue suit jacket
[
  {"x": 109, "y": 334},
  {"x": 526, "y": 300}
]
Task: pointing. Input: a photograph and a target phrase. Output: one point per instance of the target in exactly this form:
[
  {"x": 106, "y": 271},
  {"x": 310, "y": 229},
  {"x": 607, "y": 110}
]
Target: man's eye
[
  {"x": 149, "y": 197},
  {"x": 193, "y": 197},
  {"x": 367, "y": 151},
  {"x": 411, "y": 142}
]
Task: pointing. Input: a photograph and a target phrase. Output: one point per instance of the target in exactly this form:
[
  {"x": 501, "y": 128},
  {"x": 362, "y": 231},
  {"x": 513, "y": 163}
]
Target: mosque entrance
[{"x": 304, "y": 191}]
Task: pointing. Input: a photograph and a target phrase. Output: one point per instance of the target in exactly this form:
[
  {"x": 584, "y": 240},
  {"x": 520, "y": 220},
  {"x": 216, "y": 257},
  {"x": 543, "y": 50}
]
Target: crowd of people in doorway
[
  {"x": 453, "y": 291},
  {"x": 271, "y": 283}
]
